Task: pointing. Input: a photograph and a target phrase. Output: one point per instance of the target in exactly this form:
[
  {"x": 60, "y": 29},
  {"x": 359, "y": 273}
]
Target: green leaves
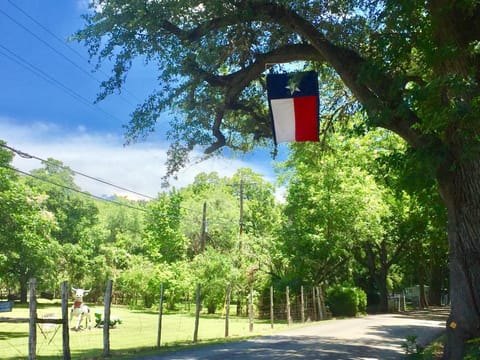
[
  {"x": 332, "y": 204},
  {"x": 27, "y": 247},
  {"x": 164, "y": 241}
]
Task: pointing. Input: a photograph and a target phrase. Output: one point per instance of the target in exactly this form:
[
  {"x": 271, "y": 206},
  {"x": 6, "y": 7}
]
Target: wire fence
[{"x": 131, "y": 330}]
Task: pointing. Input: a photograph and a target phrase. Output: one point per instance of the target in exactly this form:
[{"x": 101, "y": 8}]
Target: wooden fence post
[
  {"x": 197, "y": 314},
  {"x": 227, "y": 308},
  {"x": 32, "y": 338},
  {"x": 271, "y": 307},
  {"x": 302, "y": 304},
  {"x": 106, "y": 319},
  {"x": 65, "y": 331},
  {"x": 250, "y": 310},
  {"x": 314, "y": 305},
  {"x": 289, "y": 317},
  {"x": 160, "y": 315}
]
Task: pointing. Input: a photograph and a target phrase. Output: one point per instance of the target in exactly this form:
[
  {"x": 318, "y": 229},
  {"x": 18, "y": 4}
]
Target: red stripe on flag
[{"x": 306, "y": 118}]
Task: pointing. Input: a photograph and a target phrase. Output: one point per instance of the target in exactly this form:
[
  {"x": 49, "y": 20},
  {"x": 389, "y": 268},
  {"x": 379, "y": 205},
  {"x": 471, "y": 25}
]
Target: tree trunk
[
  {"x": 437, "y": 276},
  {"x": 382, "y": 277},
  {"x": 382, "y": 288},
  {"x": 460, "y": 189},
  {"x": 239, "y": 307},
  {"x": 423, "y": 303},
  {"x": 23, "y": 291}
]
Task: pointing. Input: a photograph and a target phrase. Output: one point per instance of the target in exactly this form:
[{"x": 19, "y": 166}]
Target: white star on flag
[{"x": 292, "y": 86}]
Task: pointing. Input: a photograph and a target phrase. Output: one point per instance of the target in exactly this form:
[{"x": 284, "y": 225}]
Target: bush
[
  {"x": 362, "y": 301},
  {"x": 346, "y": 301}
]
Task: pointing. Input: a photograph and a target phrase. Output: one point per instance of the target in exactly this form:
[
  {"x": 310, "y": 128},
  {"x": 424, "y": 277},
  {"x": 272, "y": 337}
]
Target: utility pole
[
  {"x": 203, "y": 238},
  {"x": 241, "y": 214}
]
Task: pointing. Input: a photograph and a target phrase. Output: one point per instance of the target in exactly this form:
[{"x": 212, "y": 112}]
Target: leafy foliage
[
  {"x": 27, "y": 246},
  {"x": 164, "y": 242},
  {"x": 74, "y": 214},
  {"x": 322, "y": 225},
  {"x": 346, "y": 301}
]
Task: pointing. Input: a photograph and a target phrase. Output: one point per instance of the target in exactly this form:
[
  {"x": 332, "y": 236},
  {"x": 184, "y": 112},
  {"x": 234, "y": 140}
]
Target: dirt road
[{"x": 375, "y": 337}]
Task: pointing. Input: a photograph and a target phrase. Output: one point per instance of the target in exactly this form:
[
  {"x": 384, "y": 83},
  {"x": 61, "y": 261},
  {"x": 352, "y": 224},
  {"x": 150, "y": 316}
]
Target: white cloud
[{"x": 139, "y": 167}]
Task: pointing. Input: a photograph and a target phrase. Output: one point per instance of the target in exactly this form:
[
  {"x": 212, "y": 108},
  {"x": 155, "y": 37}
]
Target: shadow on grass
[
  {"x": 91, "y": 354},
  {"x": 4, "y": 335}
]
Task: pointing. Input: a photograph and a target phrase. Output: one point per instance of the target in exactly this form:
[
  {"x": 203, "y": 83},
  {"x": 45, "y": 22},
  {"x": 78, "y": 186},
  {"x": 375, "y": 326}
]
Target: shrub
[
  {"x": 346, "y": 301},
  {"x": 362, "y": 300}
]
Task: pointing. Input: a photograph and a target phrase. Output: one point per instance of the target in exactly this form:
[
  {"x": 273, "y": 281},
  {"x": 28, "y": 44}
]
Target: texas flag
[{"x": 293, "y": 101}]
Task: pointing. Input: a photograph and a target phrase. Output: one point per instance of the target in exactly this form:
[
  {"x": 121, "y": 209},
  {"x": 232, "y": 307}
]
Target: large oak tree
[{"x": 411, "y": 66}]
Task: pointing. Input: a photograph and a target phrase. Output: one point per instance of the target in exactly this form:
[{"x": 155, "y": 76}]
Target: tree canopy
[
  {"x": 411, "y": 67},
  {"x": 396, "y": 58}
]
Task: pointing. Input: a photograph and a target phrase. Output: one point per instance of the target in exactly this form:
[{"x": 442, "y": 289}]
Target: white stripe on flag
[{"x": 284, "y": 118}]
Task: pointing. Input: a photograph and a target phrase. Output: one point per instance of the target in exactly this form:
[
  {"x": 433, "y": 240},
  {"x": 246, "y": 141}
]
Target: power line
[
  {"x": 80, "y": 191},
  {"x": 49, "y": 46},
  {"x": 28, "y": 156},
  {"x": 73, "y": 189},
  {"x": 93, "y": 196},
  {"x": 62, "y": 41},
  {"x": 45, "y": 76}
]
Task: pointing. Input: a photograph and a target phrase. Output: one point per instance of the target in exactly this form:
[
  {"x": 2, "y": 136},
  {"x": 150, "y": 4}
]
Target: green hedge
[{"x": 346, "y": 301}]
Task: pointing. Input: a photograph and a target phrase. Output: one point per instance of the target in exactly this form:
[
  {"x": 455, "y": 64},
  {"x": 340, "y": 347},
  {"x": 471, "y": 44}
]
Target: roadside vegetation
[
  {"x": 135, "y": 335},
  {"x": 349, "y": 226}
]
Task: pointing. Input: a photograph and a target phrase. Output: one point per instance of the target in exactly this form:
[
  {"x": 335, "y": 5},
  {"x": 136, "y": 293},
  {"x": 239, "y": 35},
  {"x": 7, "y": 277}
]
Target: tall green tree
[
  {"x": 413, "y": 67},
  {"x": 123, "y": 225},
  {"x": 213, "y": 271},
  {"x": 75, "y": 213},
  {"x": 240, "y": 223},
  {"x": 256, "y": 196},
  {"x": 221, "y": 226},
  {"x": 333, "y": 205},
  {"x": 407, "y": 225},
  {"x": 163, "y": 239},
  {"x": 418, "y": 213},
  {"x": 76, "y": 217},
  {"x": 27, "y": 247}
]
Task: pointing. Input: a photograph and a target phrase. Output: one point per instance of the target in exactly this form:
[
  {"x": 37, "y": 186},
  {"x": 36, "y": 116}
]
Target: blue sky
[{"x": 47, "y": 90}]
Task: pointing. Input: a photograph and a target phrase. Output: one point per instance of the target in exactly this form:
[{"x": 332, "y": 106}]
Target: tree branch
[
  {"x": 233, "y": 84},
  {"x": 217, "y": 133},
  {"x": 376, "y": 95}
]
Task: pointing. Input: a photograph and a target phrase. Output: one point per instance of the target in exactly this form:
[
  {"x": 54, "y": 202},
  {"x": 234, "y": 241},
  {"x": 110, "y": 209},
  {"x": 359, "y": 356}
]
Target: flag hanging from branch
[{"x": 293, "y": 101}]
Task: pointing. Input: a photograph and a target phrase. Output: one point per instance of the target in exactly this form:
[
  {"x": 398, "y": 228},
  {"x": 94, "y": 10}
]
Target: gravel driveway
[{"x": 371, "y": 337}]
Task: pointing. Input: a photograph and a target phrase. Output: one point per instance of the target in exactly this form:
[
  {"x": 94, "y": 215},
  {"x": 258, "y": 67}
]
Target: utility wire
[
  {"x": 80, "y": 191},
  {"x": 49, "y": 46},
  {"x": 73, "y": 189},
  {"x": 42, "y": 74},
  {"x": 62, "y": 41},
  {"x": 28, "y": 156}
]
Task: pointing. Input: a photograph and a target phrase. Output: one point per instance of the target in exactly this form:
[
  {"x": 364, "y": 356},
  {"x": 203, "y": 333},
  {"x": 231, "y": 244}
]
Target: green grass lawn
[{"x": 137, "y": 332}]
